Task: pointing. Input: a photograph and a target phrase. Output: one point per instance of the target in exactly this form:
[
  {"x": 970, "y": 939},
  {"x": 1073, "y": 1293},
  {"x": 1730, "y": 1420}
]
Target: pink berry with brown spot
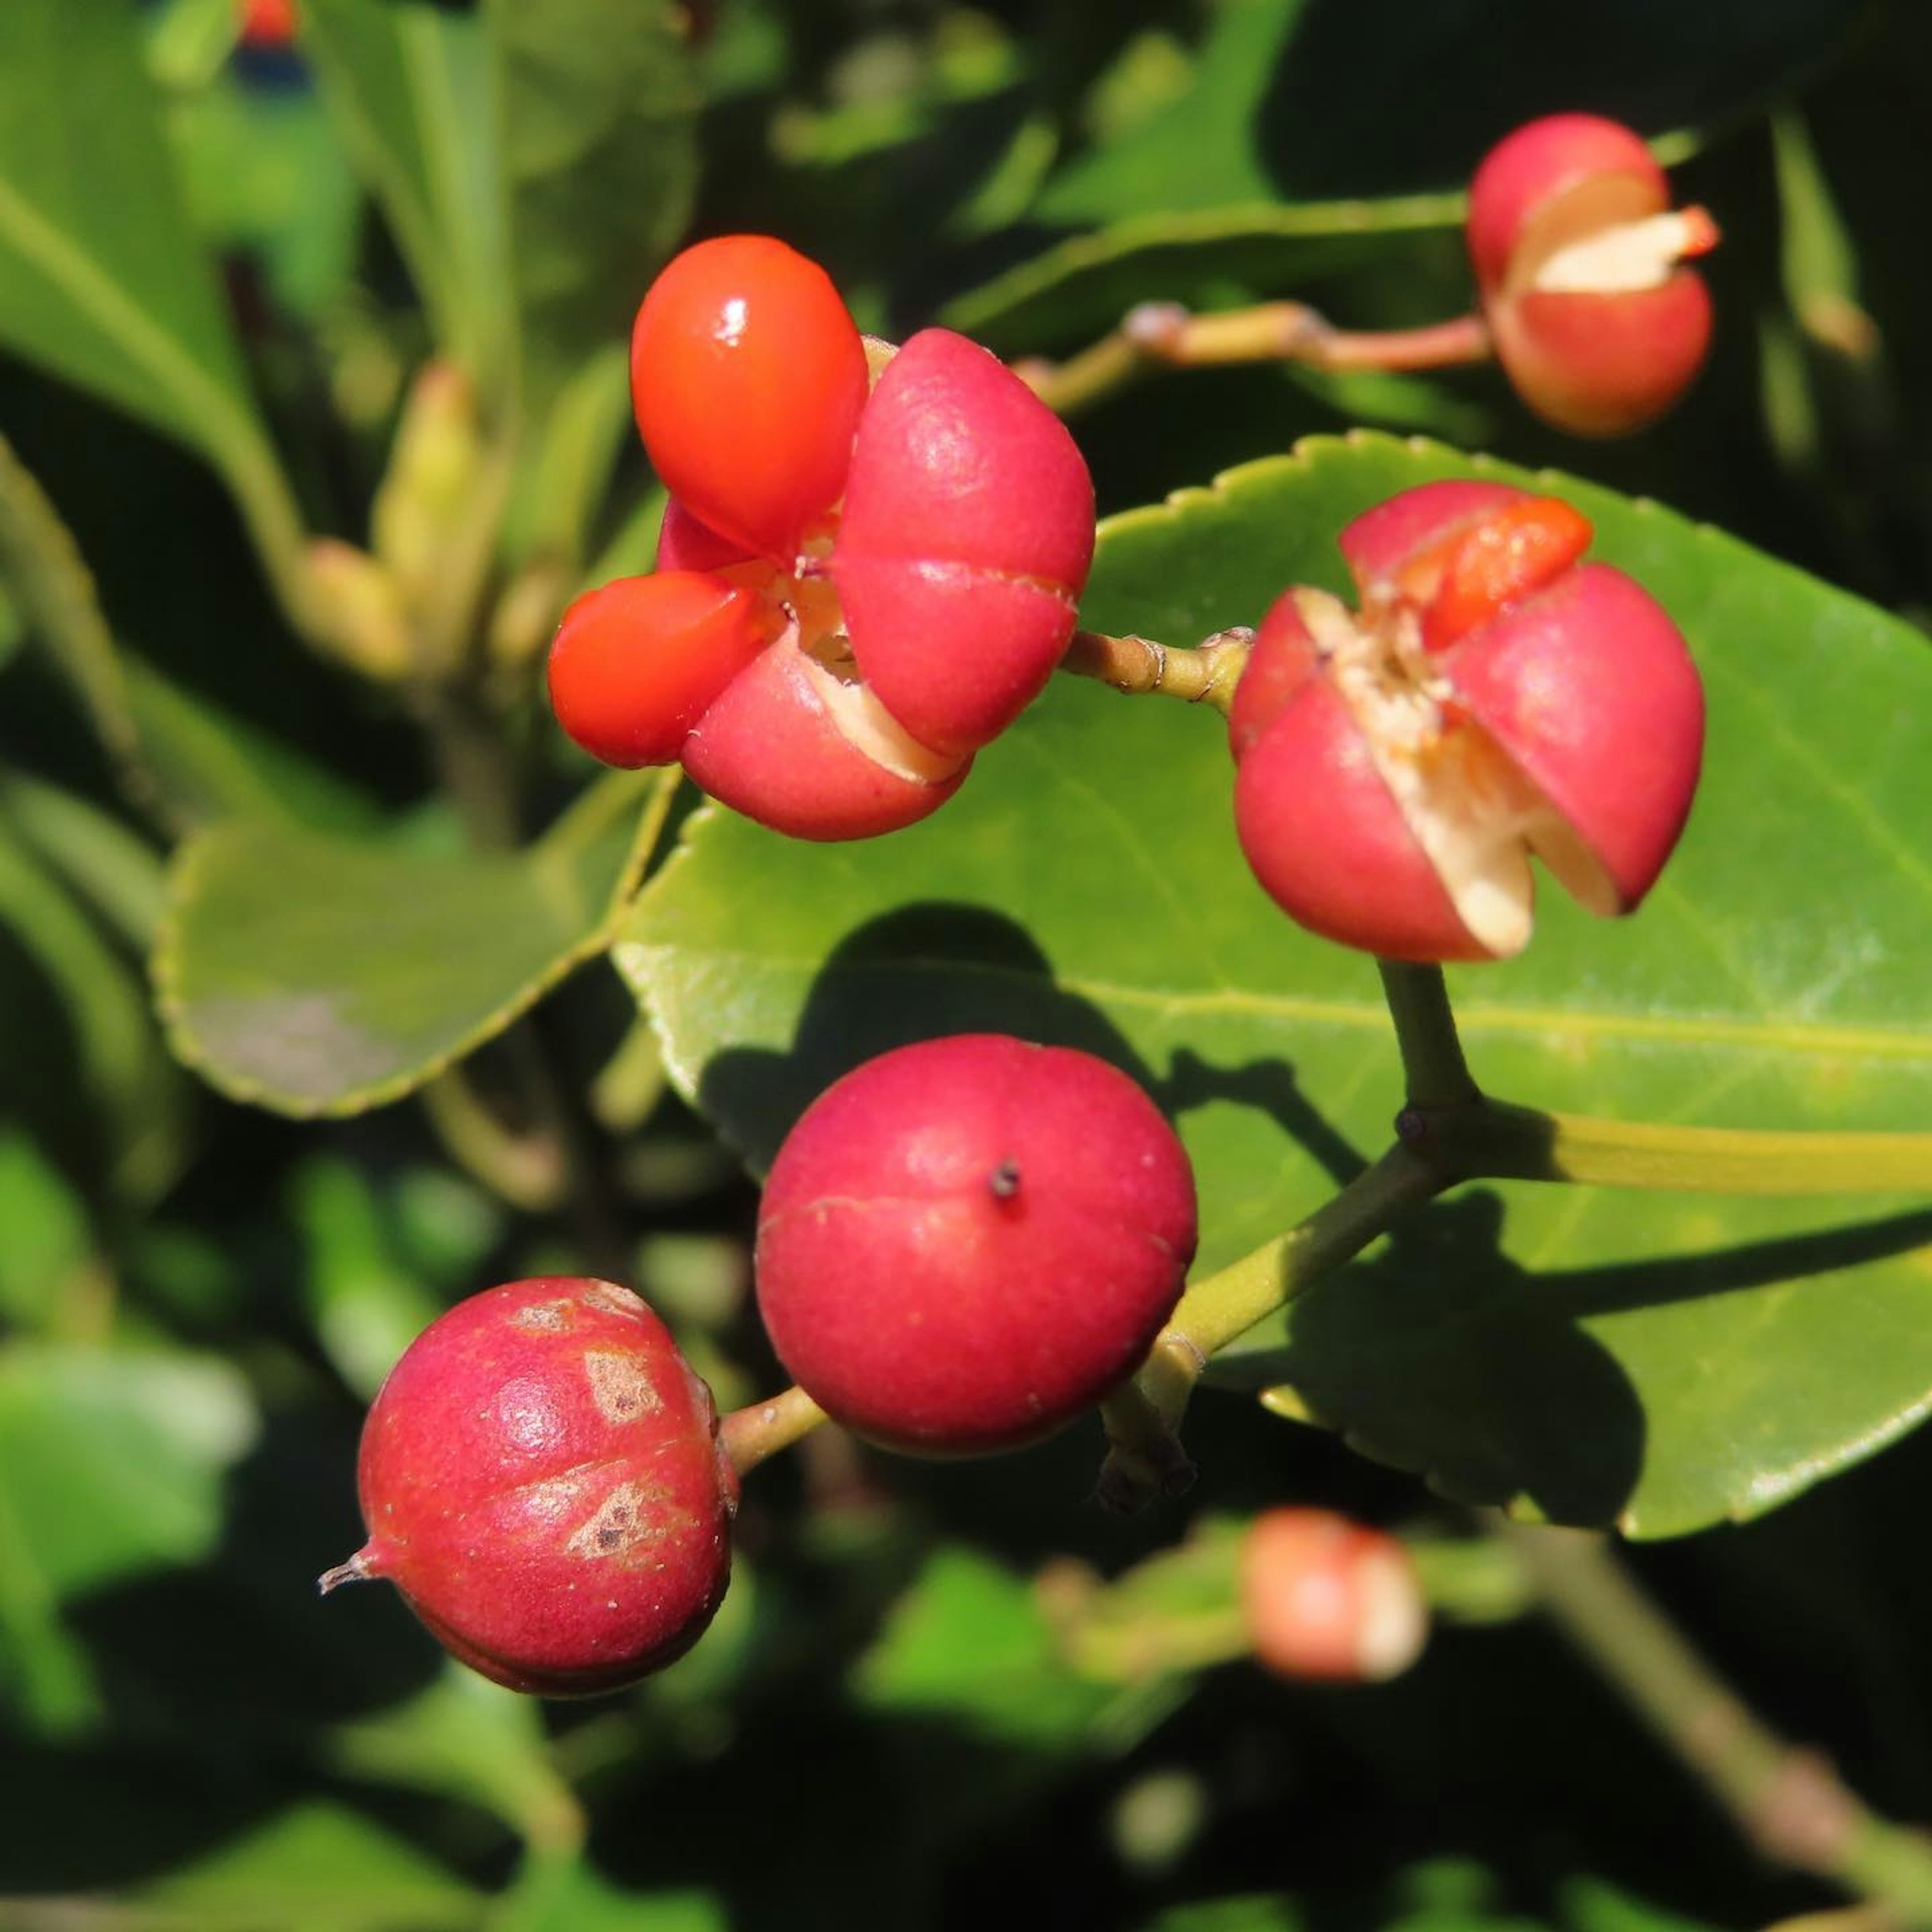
[
  {"x": 1579, "y": 261},
  {"x": 540, "y": 1478},
  {"x": 1493, "y": 697},
  {"x": 965, "y": 1243},
  {"x": 1329, "y": 1599}
]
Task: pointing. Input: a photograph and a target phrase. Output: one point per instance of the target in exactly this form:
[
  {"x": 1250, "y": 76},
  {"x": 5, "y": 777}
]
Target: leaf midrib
[{"x": 1679, "y": 1029}]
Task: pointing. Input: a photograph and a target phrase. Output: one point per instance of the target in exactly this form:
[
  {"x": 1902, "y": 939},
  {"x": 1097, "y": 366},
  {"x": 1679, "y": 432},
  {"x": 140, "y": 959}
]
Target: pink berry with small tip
[
  {"x": 540, "y": 1478},
  {"x": 966, "y": 1242}
]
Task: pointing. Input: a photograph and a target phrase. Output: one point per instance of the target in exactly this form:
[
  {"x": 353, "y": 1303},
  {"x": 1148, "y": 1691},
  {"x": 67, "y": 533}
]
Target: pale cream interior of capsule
[
  {"x": 1634, "y": 255},
  {"x": 1475, "y": 814}
]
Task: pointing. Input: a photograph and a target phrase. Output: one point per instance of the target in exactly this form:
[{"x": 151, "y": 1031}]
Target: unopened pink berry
[
  {"x": 1329, "y": 1599},
  {"x": 540, "y": 1478},
  {"x": 966, "y": 1242}
]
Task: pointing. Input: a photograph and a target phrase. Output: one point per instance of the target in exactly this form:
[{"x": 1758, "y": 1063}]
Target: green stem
[
  {"x": 1433, "y": 1069},
  {"x": 1137, "y": 667},
  {"x": 1145, "y": 1458},
  {"x": 1789, "y": 1802},
  {"x": 1494, "y": 1140},
  {"x": 1213, "y": 1312},
  {"x": 750, "y": 1435},
  {"x": 1166, "y": 335}
]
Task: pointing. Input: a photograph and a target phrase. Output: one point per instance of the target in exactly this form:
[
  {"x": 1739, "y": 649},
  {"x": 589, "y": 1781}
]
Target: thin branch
[{"x": 1166, "y": 335}]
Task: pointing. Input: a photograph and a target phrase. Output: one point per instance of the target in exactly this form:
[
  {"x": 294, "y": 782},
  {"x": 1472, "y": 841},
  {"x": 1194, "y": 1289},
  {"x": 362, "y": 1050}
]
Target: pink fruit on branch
[
  {"x": 540, "y": 1476},
  {"x": 1578, "y": 259},
  {"x": 1492, "y": 698},
  {"x": 965, "y": 1243},
  {"x": 1328, "y": 1599}
]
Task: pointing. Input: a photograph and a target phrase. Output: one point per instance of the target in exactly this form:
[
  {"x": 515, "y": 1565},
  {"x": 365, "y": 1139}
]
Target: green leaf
[
  {"x": 366, "y": 1306},
  {"x": 113, "y": 1465},
  {"x": 1277, "y": 110},
  {"x": 49, "y": 1243},
  {"x": 969, "y": 1641},
  {"x": 408, "y": 82},
  {"x": 115, "y": 870},
  {"x": 264, "y": 172},
  {"x": 598, "y": 103},
  {"x": 133, "y": 1093},
  {"x": 1656, "y": 1361},
  {"x": 318, "y": 1867},
  {"x": 315, "y": 974},
  {"x": 101, "y": 279},
  {"x": 466, "y": 1738},
  {"x": 209, "y": 764},
  {"x": 574, "y": 1896},
  {"x": 1083, "y": 286}
]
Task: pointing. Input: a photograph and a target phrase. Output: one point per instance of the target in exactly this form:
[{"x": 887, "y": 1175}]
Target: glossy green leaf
[
  {"x": 1660, "y": 1361},
  {"x": 597, "y": 101},
  {"x": 408, "y": 82},
  {"x": 315, "y": 974},
  {"x": 101, "y": 278},
  {"x": 318, "y": 1867}
]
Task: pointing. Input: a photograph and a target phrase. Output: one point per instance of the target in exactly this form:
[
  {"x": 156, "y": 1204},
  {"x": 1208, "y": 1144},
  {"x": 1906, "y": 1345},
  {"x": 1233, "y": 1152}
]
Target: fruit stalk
[{"x": 1788, "y": 1801}]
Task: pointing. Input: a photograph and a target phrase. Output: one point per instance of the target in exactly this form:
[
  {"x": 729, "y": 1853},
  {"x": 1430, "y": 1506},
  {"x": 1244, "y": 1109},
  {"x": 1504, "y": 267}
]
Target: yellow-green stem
[
  {"x": 750, "y": 1435},
  {"x": 1789, "y": 1802}
]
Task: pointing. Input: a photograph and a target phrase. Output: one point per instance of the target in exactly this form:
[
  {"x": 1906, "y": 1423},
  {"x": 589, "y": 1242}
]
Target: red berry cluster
[
  {"x": 870, "y": 566},
  {"x": 965, "y": 1244}
]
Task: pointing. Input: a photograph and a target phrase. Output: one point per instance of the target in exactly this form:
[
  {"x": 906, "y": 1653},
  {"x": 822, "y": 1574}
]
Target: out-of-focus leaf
[
  {"x": 129, "y": 1087},
  {"x": 558, "y": 493},
  {"x": 321, "y": 975},
  {"x": 212, "y": 765},
  {"x": 466, "y": 1738},
  {"x": 570, "y": 1896},
  {"x": 101, "y": 278},
  {"x": 265, "y": 172},
  {"x": 408, "y": 82},
  {"x": 48, "y": 1241},
  {"x": 598, "y": 102},
  {"x": 969, "y": 1642},
  {"x": 115, "y": 871},
  {"x": 1660, "y": 1361},
  {"x": 1083, "y": 286},
  {"x": 1280, "y": 108},
  {"x": 112, "y": 1465},
  {"x": 318, "y": 1867},
  {"x": 368, "y": 1307}
]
